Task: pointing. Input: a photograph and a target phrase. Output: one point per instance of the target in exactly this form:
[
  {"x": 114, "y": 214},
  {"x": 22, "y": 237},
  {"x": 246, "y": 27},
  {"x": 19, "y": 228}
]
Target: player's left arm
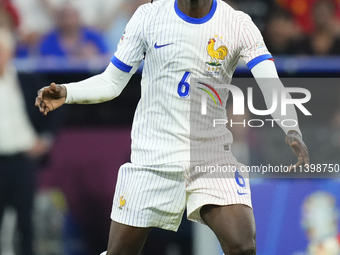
[
  {"x": 268, "y": 80},
  {"x": 259, "y": 60}
]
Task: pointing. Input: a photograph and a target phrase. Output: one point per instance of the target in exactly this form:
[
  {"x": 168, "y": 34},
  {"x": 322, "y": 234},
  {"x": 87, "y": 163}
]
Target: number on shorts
[{"x": 239, "y": 179}]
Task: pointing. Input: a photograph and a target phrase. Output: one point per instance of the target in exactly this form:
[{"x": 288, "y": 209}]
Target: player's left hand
[{"x": 294, "y": 140}]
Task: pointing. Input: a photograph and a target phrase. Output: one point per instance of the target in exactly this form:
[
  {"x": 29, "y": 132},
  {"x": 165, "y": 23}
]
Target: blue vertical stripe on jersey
[
  {"x": 258, "y": 59},
  {"x": 120, "y": 65},
  {"x": 194, "y": 20}
]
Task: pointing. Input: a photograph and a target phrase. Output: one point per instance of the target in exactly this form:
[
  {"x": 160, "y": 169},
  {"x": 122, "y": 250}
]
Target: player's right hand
[
  {"x": 50, "y": 98},
  {"x": 294, "y": 140}
]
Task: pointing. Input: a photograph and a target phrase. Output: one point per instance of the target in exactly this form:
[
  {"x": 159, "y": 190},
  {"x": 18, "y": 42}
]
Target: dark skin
[
  {"x": 195, "y": 8},
  {"x": 234, "y": 225}
]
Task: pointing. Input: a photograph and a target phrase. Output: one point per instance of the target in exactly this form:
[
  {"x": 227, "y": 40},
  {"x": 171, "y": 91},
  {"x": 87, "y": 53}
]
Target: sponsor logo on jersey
[
  {"x": 122, "y": 202},
  {"x": 216, "y": 55},
  {"x": 241, "y": 193},
  {"x": 161, "y": 46}
]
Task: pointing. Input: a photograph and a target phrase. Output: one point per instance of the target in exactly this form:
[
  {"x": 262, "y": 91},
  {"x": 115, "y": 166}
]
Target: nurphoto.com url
[{"x": 265, "y": 169}]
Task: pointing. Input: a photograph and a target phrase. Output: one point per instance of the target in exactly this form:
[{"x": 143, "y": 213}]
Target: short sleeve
[
  {"x": 253, "y": 49},
  {"x": 131, "y": 48}
]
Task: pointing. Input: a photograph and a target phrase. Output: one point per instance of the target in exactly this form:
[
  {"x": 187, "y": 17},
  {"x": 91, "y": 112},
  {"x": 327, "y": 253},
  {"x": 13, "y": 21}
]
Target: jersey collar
[{"x": 194, "y": 20}]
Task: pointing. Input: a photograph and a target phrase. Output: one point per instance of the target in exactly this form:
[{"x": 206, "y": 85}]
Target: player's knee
[{"x": 244, "y": 249}]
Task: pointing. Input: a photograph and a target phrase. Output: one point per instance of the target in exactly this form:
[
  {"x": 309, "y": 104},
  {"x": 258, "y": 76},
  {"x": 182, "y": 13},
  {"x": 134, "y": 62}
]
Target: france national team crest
[
  {"x": 216, "y": 54},
  {"x": 122, "y": 202}
]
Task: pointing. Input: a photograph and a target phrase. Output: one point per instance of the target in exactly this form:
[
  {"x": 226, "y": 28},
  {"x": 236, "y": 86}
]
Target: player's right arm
[
  {"x": 97, "y": 89},
  {"x": 111, "y": 82}
]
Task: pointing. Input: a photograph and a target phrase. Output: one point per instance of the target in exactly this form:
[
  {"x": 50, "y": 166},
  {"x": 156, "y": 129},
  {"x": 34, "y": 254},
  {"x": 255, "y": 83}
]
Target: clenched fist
[{"x": 50, "y": 98}]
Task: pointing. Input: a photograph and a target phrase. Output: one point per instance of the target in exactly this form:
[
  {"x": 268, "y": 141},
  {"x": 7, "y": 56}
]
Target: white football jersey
[{"x": 178, "y": 48}]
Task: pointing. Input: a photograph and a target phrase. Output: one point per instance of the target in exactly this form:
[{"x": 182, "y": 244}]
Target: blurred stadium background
[{"x": 64, "y": 41}]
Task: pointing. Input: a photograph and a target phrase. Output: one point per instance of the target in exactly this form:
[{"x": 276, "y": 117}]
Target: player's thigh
[
  {"x": 222, "y": 199},
  {"x": 227, "y": 186},
  {"x": 126, "y": 240},
  {"x": 234, "y": 226}
]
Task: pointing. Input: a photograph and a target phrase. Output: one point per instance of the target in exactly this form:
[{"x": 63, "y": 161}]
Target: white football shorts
[{"x": 156, "y": 196}]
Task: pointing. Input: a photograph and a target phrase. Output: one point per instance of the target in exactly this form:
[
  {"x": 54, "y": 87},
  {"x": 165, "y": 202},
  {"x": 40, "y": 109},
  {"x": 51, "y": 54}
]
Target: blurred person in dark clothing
[
  {"x": 71, "y": 38},
  {"x": 325, "y": 38},
  {"x": 21, "y": 146},
  {"x": 281, "y": 33}
]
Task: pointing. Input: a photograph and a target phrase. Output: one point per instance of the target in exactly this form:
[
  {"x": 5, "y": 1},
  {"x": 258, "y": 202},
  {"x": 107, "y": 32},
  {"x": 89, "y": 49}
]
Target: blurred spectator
[
  {"x": 117, "y": 20},
  {"x": 20, "y": 146},
  {"x": 37, "y": 15},
  {"x": 281, "y": 32},
  {"x": 9, "y": 16},
  {"x": 325, "y": 39},
  {"x": 71, "y": 38},
  {"x": 302, "y": 10},
  {"x": 257, "y": 9}
]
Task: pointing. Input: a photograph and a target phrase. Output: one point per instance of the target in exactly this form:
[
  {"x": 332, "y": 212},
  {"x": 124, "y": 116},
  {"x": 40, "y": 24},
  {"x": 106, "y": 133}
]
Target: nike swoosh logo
[
  {"x": 241, "y": 194},
  {"x": 161, "y": 46}
]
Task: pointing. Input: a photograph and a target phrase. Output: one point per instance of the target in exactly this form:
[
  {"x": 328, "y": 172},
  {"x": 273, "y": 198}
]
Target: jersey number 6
[
  {"x": 183, "y": 86},
  {"x": 239, "y": 179}
]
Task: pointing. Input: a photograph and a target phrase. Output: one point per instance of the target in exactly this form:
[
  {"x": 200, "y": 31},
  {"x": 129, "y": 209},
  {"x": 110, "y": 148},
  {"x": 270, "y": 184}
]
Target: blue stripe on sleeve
[
  {"x": 120, "y": 65},
  {"x": 257, "y": 60}
]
